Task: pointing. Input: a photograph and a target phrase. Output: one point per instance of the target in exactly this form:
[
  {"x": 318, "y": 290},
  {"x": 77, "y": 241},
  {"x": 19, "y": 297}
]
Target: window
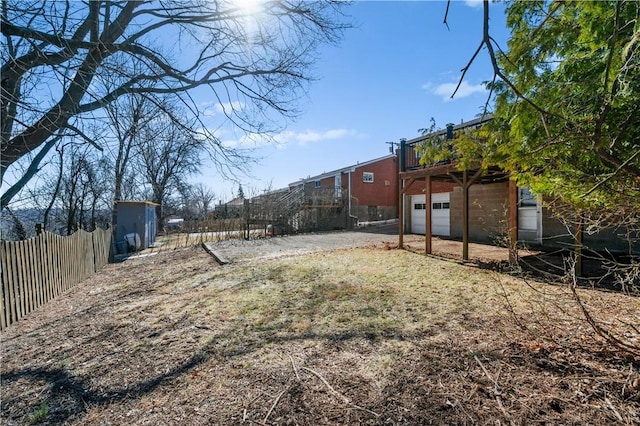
[
  {"x": 419, "y": 206},
  {"x": 317, "y": 184},
  {"x": 445, "y": 205},
  {"x": 437, "y": 206},
  {"x": 526, "y": 198},
  {"x": 367, "y": 177}
]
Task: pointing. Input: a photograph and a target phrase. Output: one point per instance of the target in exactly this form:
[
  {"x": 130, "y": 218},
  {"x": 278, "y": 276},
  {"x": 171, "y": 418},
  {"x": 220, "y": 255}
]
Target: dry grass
[
  {"x": 179, "y": 240},
  {"x": 362, "y": 336}
]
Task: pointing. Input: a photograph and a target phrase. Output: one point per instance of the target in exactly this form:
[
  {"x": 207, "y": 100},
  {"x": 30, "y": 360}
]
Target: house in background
[
  {"x": 340, "y": 199},
  {"x": 230, "y": 209},
  {"x": 481, "y": 206}
]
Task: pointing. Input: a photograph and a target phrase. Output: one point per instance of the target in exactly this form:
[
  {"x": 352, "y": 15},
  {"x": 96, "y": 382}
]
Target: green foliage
[
  {"x": 40, "y": 414},
  {"x": 567, "y": 110},
  {"x": 573, "y": 130},
  {"x": 434, "y": 149},
  {"x": 467, "y": 148}
]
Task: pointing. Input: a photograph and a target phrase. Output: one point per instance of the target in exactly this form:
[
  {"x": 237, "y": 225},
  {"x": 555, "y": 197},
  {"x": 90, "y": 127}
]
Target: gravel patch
[{"x": 288, "y": 245}]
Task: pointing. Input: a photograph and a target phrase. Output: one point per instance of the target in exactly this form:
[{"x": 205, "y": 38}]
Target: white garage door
[{"x": 439, "y": 214}]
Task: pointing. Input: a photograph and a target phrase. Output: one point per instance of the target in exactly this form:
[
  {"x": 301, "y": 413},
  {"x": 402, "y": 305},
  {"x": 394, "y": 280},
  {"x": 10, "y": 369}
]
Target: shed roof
[
  {"x": 150, "y": 203},
  {"x": 345, "y": 169}
]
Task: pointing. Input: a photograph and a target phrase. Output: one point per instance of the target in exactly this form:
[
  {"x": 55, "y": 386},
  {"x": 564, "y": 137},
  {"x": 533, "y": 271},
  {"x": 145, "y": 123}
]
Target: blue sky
[
  {"x": 390, "y": 74},
  {"x": 394, "y": 70}
]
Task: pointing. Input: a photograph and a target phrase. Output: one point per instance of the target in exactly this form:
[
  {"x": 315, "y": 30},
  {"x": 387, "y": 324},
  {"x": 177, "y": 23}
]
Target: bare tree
[
  {"x": 252, "y": 64},
  {"x": 203, "y": 198},
  {"x": 75, "y": 188},
  {"x": 181, "y": 202},
  {"x": 126, "y": 117},
  {"x": 167, "y": 154}
]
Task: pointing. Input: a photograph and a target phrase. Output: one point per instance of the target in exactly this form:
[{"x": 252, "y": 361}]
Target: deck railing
[{"x": 409, "y": 150}]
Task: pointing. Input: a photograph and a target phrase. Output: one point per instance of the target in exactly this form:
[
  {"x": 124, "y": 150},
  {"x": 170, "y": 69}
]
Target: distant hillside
[{"x": 29, "y": 217}]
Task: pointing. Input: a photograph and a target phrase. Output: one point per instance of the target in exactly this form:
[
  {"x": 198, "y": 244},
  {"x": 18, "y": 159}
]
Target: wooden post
[
  {"x": 400, "y": 213},
  {"x": 428, "y": 218},
  {"x": 513, "y": 222},
  {"x": 578, "y": 246},
  {"x": 465, "y": 216},
  {"x": 39, "y": 228}
]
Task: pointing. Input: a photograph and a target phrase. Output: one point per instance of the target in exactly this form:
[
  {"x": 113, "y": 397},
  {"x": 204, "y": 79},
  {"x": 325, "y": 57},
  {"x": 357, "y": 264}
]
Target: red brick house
[{"x": 362, "y": 192}]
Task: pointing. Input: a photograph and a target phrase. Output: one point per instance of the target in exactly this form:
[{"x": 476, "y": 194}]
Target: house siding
[
  {"x": 418, "y": 187},
  {"x": 488, "y": 212},
  {"x": 488, "y": 222},
  {"x": 377, "y": 200},
  {"x": 369, "y": 201},
  {"x": 556, "y": 234}
]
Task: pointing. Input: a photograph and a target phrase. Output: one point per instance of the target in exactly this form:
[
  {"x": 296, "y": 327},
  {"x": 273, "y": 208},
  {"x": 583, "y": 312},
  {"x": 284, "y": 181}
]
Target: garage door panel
[
  {"x": 418, "y": 220},
  {"x": 440, "y": 214}
]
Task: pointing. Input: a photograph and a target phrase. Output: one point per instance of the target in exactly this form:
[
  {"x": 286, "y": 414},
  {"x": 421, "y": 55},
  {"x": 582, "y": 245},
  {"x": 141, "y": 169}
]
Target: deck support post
[
  {"x": 428, "y": 218},
  {"x": 578, "y": 246},
  {"x": 465, "y": 216},
  {"x": 465, "y": 183},
  {"x": 401, "y": 213},
  {"x": 513, "y": 222}
]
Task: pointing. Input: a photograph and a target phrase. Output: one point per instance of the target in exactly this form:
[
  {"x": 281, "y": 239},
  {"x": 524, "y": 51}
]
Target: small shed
[{"x": 136, "y": 217}]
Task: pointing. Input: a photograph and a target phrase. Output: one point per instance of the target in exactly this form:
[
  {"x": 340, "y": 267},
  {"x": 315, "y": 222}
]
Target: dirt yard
[{"x": 344, "y": 332}]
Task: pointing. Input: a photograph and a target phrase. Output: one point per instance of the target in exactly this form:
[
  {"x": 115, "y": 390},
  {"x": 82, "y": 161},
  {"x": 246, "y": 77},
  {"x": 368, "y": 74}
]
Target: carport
[
  {"x": 465, "y": 179},
  {"x": 411, "y": 171}
]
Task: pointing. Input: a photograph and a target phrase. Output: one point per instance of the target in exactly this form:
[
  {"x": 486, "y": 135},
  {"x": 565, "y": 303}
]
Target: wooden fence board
[
  {"x": 43, "y": 267},
  {"x": 11, "y": 312},
  {"x": 55, "y": 255},
  {"x": 6, "y": 309},
  {"x": 95, "y": 247},
  {"x": 29, "y": 246},
  {"x": 15, "y": 262},
  {"x": 20, "y": 289},
  {"x": 66, "y": 275},
  {"x": 16, "y": 279},
  {"x": 37, "y": 270},
  {"x": 27, "y": 291},
  {"x": 55, "y": 268},
  {"x": 23, "y": 283},
  {"x": 89, "y": 256},
  {"x": 26, "y": 261},
  {"x": 64, "y": 266},
  {"x": 51, "y": 261},
  {"x": 48, "y": 262},
  {"x": 69, "y": 265},
  {"x": 58, "y": 264},
  {"x": 75, "y": 267},
  {"x": 70, "y": 254}
]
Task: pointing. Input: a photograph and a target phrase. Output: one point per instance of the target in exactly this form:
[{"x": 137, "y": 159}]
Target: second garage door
[{"x": 439, "y": 214}]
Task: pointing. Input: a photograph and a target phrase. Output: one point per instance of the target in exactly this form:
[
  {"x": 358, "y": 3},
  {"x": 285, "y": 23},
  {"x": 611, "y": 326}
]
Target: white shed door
[{"x": 439, "y": 214}]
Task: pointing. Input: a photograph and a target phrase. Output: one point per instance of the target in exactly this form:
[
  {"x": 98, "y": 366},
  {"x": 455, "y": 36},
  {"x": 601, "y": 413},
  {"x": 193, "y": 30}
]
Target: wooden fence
[{"x": 35, "y": 271}]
